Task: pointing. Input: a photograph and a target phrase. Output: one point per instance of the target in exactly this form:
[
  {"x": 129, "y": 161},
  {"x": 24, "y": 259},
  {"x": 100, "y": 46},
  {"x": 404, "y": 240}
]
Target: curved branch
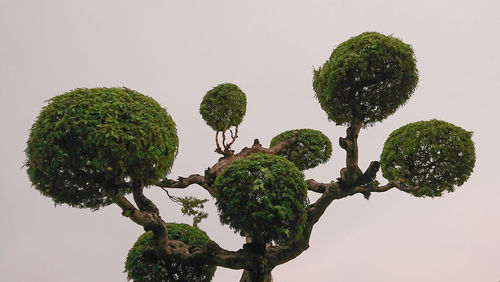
[
  {"x": 142, "y": 202},
  {"x": 211, "y": 252},
  {"x": 182, "y": 182},
  {"x": 148, "y": 220},
  {"x": 367, "y": 189},
  {"x": 233, "y": 138},
  {"x": 317, "y": 187},
  {"x": 388, "y": 186},
  {"x": 280, "y": 254},
  {"x": 218, "y": 148}
]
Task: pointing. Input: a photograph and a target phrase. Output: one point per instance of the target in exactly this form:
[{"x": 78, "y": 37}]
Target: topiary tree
[{"x": 90, "y": 147}]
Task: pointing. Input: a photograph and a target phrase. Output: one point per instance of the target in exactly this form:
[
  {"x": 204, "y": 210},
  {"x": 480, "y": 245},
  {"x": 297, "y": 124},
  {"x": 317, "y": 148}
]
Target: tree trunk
[{"x": 251, "y": 276}]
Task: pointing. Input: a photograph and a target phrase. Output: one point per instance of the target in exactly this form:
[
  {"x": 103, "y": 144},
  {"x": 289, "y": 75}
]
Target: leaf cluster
[
  {"x": 263, "y": 196},
  {"x": 89, "y": 141},
  {"x": 366, "y": 79},
  {"x": 144, "y": 264},
  {"x": 434, "y": 155},
  {"x": 223, "y": 106},
  {"x": 192, "y": 206},
  {"x": 311, "y": 149}
]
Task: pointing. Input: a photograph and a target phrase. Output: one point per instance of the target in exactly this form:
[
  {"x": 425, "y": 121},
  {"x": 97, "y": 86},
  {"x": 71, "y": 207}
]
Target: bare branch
[
  {"x": 280, "y": 254},
  {"x": 211, "y": 253},
  {"x": 143, "y": 203},
  {"x": 315, "y": 186},
  {"x": 351, "y": 172},
  {"x": 224, "y": 139},
  {"x": 366, "y": 189},
  {"x": 394, "y": 184},
  {"x": 218, "y": 148},
  {"x": 182, "y": 182},
  {"x": 233, "y": 137},
  {"x": 148, "y": 220}
]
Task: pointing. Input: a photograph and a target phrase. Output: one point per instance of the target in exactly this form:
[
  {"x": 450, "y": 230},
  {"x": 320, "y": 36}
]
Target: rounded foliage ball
[
  {"x": 433, "y": 155},
  {"x": 311, "y": 149},
  {"x": 223, "y": 106},
  {"x": 87, "y": 142},
  {"x": 145, "y": 264},
  {"x": 263, "y": 196},
  {"x": 366, "y": 79}
]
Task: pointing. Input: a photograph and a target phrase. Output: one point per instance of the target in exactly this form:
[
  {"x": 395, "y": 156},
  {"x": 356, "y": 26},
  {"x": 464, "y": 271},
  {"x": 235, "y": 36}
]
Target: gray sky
[{"x": 175, "y": 51}]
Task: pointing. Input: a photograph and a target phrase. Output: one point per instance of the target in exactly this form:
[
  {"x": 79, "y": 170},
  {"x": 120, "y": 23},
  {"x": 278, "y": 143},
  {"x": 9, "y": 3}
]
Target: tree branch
[
  {"x": 280, "y": 254},
  {"x": 384, "y": 188},
  {"x": 149, "y": 220},
  {"x": 351, "y": 172},
  {"x": 317, "y": 187},
  {"x": 256, "y": 148},
  {"x": 142, "y": 202},
  {"x": 233, "y": 137},
  {"x": 333, "y": 191},
  {"x": 182, "y": 182},
  {"x": 224, "y": 138},
  {"x": 218, "y": 148},
  {"x": 210, "y": 253}
]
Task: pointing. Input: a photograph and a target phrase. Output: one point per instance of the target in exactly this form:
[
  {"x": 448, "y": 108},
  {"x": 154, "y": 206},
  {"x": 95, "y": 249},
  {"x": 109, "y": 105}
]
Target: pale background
[{"x": 175, "y": 51}]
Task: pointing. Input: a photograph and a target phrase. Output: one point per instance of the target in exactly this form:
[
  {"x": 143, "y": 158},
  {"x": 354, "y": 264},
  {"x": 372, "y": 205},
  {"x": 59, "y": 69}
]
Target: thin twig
[
  {"x": 173, "y": 198},
  {"x": 233, "y": 137},
  {"x": 224, "y": 137}
]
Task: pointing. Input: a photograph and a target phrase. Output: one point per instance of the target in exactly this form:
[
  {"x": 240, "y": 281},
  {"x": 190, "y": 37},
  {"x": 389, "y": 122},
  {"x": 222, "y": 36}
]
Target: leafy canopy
[
  {"x": 366, "y": 79},
  {"x": 143, "y": 264},
  {"x": 263, "y": 196},
  {"x": 223, "y": 106},
  {"x": 89, "y": 141},
  {"x": 435, "y": 155},
  {"x": 312, "y": 148}
]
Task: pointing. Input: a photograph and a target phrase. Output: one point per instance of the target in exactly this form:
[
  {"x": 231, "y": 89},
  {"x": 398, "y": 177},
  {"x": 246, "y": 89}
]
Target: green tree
[{"x": 90, "y": 147}]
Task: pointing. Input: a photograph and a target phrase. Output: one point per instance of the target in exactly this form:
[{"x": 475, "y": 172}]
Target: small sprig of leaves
[{"x": 191, "y": 206}]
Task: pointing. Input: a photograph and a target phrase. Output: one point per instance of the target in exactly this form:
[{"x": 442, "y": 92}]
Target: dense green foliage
[
  {"x": 263, "y": 196},
  {"x": 435, "y": 155},
  {"x": 312, "y": 148},
  {"x": 366, "y": 79},
  {"x": 89, "y": 141},
  {"x": 143, "y": 264},
  {"x": 223, "y": 106}
]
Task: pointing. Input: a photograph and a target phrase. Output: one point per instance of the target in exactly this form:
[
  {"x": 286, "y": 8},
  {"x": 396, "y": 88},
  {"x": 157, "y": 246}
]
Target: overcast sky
[{"x": 175, "y": 51}]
